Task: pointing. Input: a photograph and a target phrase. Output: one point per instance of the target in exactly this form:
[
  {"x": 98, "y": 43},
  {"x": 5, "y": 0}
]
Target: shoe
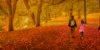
[{"x": 73, "y": 37}]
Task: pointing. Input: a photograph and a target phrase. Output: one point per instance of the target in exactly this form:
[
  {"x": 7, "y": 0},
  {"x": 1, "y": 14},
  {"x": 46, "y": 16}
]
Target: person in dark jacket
[{"x": 72, "y": 24}]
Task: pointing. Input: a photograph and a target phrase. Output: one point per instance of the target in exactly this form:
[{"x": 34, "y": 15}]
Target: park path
[{"x": 56, "y": 36}]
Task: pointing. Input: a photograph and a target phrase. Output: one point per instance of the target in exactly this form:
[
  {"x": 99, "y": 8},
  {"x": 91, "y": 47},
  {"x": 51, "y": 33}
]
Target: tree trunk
[
  {"x": 33, "y": 18},
  {"x": 52, "y": 15},
  {"x": 46, "y": 16},
  {"x": 79, "y": 16},
  {"x": 55, "y": 12},
  {"x": 85, "y": 11},
  {"x": 55, "y": 15},
  {"x": 14, "y": 8},
  {"x": 99, "y": 16},
  {"x": 49, "y": 16},
  {"x": 39, "y": 13},
  {"x": 10, "y": 23},
  {"x": 28, "y": 7},
  {"x": 11, "y": 13},
  {"x": 71, "y": 10},
  {"x": 70, "y": 13},
  {"x": 99, "y": 5}
]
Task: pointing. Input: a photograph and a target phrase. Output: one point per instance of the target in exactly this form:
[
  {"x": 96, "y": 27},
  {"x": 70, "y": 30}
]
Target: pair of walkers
[{"x": 73, "y": 24}]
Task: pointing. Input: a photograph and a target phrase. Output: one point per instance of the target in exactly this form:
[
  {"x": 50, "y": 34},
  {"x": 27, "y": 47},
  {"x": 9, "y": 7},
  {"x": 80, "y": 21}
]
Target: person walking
[
  {"x": 72, "y": 24},
  {"x": 82, "y": 29}
]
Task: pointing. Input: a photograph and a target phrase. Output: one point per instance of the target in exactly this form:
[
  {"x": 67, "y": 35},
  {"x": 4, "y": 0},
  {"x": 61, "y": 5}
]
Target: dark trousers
[
  {"x": 81, "y": 33},
  {"x": 72, "y": 31}
]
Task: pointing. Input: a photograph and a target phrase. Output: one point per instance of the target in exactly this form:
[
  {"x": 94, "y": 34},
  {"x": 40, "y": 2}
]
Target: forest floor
[{"x": 53, "y": 35}]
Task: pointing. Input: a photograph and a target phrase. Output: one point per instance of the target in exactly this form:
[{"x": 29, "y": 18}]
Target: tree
[
  {"x": 99, "y": 17},
  {"x": 71, "y": 10},
  {"x": 79, "y": 16},
  {"x": 85, "y": 11},
  {"x": 11, "y": 12},
  {"x": 28, "y": 7},
  {"x": 40, "y": 9},
  {"x": 46, "y": 16},
  {"x": 3, "y": 9},
  {"x": 70, "y": 6},
  {"x": 49, "y": 16},
  {"x": 41, "y": 2},
  {"x": 39, "y": 13}
]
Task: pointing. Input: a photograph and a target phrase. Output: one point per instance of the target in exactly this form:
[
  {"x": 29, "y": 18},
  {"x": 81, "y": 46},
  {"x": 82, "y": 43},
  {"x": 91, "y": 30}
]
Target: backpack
[
  {"x": 72, "y": 22},
  {"x": 82, "y": 27}
]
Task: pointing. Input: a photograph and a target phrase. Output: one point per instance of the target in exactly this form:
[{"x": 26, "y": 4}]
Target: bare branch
[{"x": 58, "y": 2}]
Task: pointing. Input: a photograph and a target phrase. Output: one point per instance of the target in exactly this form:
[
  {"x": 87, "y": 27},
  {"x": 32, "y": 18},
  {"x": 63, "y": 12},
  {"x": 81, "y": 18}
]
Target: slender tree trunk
[
  {"x": 71, "y": 10},
  {"x": 39, "y": 13},
  {"x": 55, "y": 15},
  {"x": 46, "y": 16},
  {"x": 99, "y": 5},
  {"x": 99, "y": 11},
  {"x": 49, "y": 16},
  {"x": 28, "y": 7},
  {"x": 99, "y": 16},
  {"x": 55, "y": 12},
  {"x": 33, "y": 18},
  {"x": 70, "y": 13},
  {"x": 55, "y": 8},
  {"x": 79, "y": 16},
  {"x": 85, "y": 11}
]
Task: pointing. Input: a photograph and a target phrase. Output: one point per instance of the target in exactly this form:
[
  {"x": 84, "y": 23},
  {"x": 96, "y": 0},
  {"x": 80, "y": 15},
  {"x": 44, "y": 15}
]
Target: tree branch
[
  {"x": 14, "y": 7},
  {"x": 3, "y": 10},
  {"x": 26, "y": 3},
  {"x": 58, "y": 2}
]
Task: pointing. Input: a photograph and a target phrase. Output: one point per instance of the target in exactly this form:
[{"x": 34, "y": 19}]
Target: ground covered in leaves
[{"x": 53, "y": 37}]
